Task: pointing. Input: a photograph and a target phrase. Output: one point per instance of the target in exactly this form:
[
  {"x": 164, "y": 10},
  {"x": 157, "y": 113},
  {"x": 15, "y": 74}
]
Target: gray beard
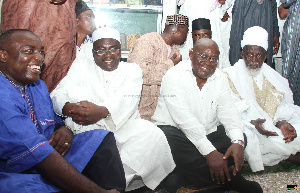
[
  {"x": 260, "y": 1},
  {"x": 253, "y": 72}
]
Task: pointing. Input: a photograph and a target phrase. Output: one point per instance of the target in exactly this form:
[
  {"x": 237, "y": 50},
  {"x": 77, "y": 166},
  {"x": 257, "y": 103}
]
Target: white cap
[
  {"x": 106, "y": 32},
  {"x": 257, "y": 36}
]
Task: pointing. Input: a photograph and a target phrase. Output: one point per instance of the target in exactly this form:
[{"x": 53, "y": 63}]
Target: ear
[
  {"x": 242, "y": 54},
  {"x": 191, "y": 52},
  {"x": 3, "y": 55},
  {"x": 77, "y": 21},
  {"x": 266, "y": 55}
]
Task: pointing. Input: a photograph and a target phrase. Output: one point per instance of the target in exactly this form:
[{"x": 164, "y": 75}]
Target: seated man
[
  {"x": 265, "y": 102},
  {"x": 104, "y": 94},
  {"x": 156, "y": 53},
  {"x": 38, "y": 153},
  {"x": 194, "y": 101},
  {"x": 201, "y": 28}
]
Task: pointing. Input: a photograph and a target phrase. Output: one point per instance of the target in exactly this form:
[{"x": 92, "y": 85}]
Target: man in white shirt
[
  {"x": 265, "y": 102},
  {"x": 104, "y": 94},
  {"x": 194, "y": 101}
]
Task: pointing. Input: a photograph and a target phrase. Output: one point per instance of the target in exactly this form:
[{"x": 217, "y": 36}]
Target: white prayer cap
[
  {"x": 106, "y": 32},
  {"x": 257, "y": 36}
]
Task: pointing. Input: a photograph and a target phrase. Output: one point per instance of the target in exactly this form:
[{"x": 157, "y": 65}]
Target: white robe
[
  {"x": 195, "y": 9},
  {"x": 143, "y": 148},
  {"x": 261, "y": 150}
]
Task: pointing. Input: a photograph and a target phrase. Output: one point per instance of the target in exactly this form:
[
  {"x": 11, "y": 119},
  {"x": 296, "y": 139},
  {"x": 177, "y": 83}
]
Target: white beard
[{"x": 253, "y": 72}]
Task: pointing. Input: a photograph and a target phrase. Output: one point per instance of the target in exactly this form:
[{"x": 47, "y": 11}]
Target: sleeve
[
  {"x": 228, "y": 114},
  {"x": 22, "y": 146},
  {"x": 142, "y": 53},
  {"x": 124, "y": 103},
  {"x": 181, "y": 113},
  {"x": 69, "y": 84},
  {"x": 275, "y": 19}
]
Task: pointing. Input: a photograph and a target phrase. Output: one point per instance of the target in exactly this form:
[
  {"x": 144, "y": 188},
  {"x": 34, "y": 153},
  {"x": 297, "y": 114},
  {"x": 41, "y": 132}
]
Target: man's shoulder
[{"x": 130, "y": 67}]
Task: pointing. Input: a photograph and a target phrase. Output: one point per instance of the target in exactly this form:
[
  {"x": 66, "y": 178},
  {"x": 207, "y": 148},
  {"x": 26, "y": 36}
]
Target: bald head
[{"x": 206, "y": 42}]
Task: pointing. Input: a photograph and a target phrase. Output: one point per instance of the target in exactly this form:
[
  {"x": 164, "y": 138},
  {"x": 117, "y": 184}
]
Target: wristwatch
[{"x": 239, "y": 142}]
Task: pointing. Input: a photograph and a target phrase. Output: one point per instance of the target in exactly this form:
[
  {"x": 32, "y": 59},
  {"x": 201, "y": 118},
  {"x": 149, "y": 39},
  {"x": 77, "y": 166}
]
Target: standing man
[
  {"x": 203, "y": 127},
  {"x": 248, "y": 13},
  {"x": 213, "y": 10},
  {"x": 54, "y": 23},
  {"x": 156, "y": 53},
  {"x": 38, "y": 152},
  {"x": 291, "y": 47},
  {"x": 201, "y": 28},
  {"x": 85, "y": 21}
]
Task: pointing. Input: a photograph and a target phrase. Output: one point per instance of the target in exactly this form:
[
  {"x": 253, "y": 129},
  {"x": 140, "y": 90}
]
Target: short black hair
[{"x": 5, "y": 36}]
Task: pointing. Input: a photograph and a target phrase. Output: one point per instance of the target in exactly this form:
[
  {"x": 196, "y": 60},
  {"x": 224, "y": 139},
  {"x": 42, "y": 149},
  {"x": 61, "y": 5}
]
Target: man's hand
[
  {"x": 222, "y": 2},
  {"x": 57, "y": 2},
  {"x": 61, "y": 140},
  {"x": 176, "y": 58},
  {"x": 88, "y": 113},
  {"x": 287, "y": 130},
  {"x": 225, "y": 17},
  {"x": 275, "y": 44},
  {"x": 258, "y": 125},
  {"x": 71, "y": 107},
  {"x": 218, "y": 167},
  {"x": 237, "y": 152}
]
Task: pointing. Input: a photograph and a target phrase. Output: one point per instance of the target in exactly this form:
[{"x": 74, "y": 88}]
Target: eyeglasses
[
  {"x": 104, "y": 51},
  {"x": 204, "y": 57}
]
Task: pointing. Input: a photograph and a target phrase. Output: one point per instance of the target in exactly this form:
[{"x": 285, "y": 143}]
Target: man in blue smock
[{"x": 37, "y": 152}]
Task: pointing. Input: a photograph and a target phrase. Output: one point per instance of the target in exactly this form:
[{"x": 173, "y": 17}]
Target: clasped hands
[
  {"x": 218, "y": 163},
  {"x": 84, "y": 112},
  {"x": 286, "y": 128}
]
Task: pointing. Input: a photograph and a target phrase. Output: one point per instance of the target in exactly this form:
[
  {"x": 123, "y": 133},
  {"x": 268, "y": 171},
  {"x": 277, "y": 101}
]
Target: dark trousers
[
  {"x": 190, "y": 164},
  {"x": 105, "y": 167}
]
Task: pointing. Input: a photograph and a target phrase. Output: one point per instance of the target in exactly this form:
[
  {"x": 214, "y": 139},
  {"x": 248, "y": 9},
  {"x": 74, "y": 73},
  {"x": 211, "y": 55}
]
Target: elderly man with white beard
[{"x": 266, "y": 104}]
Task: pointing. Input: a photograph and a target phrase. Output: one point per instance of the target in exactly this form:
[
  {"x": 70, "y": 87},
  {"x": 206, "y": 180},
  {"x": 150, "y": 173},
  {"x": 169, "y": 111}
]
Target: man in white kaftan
[
  {"x": 265, "y": 102},
  {"x": 201, "y": 9},
  {"x": 116, "y": 86}
]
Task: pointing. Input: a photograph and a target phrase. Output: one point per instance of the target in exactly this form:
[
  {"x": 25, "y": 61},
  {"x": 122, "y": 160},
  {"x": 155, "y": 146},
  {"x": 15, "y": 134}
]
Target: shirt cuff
[
  {"x": 205, "y": 146},
  {"x": 236, "y": 134}
]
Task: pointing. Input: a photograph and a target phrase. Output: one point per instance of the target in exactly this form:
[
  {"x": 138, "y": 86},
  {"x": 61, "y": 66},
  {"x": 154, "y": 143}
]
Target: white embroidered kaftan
[
  {"x": 143, "y": 148},
  {"x": 261, "y": 150}
]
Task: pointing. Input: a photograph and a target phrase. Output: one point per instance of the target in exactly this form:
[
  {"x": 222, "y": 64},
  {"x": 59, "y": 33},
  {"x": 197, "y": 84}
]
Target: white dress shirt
[{"x": 197, "y": 112}]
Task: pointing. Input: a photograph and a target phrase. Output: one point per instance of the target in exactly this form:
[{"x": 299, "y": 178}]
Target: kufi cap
[
  {"x": 257, "y": 36},
  {"x": 201, "y": 23},
  {"x": 177, "y": 20},
  {"x": 80, "y": 7},
  {"x": 106, "y": 32}
]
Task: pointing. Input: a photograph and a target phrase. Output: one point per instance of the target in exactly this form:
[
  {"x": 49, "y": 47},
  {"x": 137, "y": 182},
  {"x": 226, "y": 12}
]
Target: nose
[
  {"x": 39, "y": 56},
  {"x": 107, "y": 54},
  {"x": 254, "y": 58}
]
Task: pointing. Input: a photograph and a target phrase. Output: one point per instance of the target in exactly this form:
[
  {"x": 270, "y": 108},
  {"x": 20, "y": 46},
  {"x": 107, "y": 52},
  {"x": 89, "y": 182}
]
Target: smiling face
[
  {"x": 254, "y": 56},
  {"x": 22, "y": 57},
  {"x": 204, "y": 57},
  {"x": 109, "y": 53},
  {"x": 202, "y": 33}
]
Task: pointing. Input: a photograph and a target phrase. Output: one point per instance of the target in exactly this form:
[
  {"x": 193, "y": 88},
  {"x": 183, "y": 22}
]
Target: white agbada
[
  {"x": 143, "y": 148},
  {"x": 197, "y": 113},
  {"x": 195, "y": 9},
  {"x": 262, "y": 150}
]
